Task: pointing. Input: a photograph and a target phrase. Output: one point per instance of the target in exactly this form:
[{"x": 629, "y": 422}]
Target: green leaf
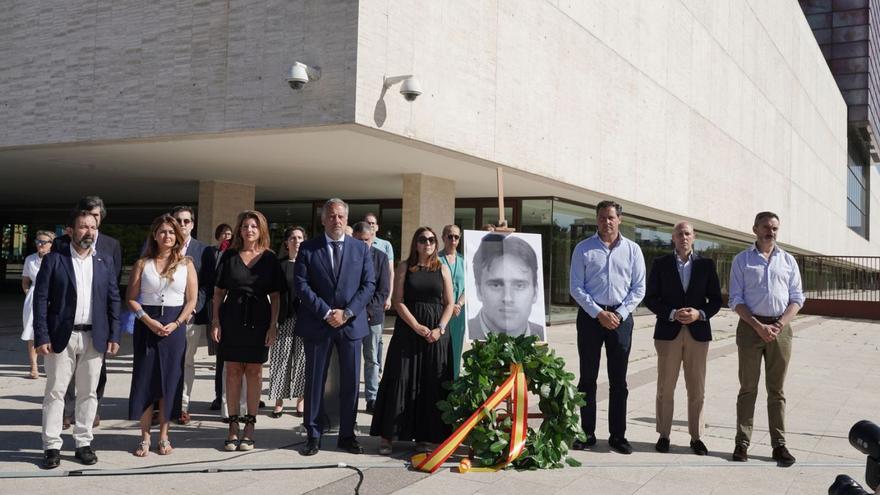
[{"x": 498, "y": 446}]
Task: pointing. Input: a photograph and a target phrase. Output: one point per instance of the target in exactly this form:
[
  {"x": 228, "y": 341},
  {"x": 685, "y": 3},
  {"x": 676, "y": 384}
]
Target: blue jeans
[{"x": 372, "y": 361}]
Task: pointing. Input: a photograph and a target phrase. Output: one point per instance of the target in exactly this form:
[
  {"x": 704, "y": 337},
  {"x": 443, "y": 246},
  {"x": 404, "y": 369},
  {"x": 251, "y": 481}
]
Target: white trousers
[
  {"x": 242, "y": 400},
  {"x": 193, "y": 335},
  {"x": 81, "y": 362}
]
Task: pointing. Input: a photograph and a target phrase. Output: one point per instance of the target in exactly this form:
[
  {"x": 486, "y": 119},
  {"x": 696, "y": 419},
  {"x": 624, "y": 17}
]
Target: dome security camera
[
  {"x": 410, "y": 89},
  {"x": 300, "y": 74}
]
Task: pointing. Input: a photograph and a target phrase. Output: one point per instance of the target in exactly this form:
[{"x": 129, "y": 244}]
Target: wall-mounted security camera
[
  {"x": 300, "y": 74},
  {"x": 409, "y": 87}
]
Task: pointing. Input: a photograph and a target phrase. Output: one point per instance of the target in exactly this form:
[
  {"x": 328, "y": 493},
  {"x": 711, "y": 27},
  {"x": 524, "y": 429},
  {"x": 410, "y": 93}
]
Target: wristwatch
[
  {"x": 442, "y": 328},
  {"x": 347, "y": 314},
  {"x": 140, "y": 313}
]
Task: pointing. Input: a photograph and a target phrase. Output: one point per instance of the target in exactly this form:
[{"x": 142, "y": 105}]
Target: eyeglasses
[
  {"x": 39, "y": 242},
  {"x": 427, "y": 240},
  {"x": 453, "y": 237},
  {"x": 184, "y": 221}
]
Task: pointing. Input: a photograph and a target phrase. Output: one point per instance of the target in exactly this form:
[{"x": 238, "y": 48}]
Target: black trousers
[{"x": 591, "y": 336}]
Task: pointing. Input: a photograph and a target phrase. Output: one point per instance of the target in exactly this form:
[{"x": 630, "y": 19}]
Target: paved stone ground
[{"x": 834, "y": 381}]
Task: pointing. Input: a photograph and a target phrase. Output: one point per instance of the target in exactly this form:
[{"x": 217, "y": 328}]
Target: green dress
[{"x": 456, "y": 324}]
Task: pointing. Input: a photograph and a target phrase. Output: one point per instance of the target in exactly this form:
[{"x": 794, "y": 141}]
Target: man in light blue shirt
[
  {"x": 608, "y": 281},
  {"x": 765, "y": 291},
  {"x": 380, "y": 244}
]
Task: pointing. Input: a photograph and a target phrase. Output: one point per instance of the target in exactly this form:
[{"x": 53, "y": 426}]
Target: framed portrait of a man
[{"x": 504, "y": 284}]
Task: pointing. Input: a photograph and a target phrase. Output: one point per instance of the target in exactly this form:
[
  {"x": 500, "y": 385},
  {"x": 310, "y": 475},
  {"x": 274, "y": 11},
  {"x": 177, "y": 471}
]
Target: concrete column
[
  {"x": 427, "y": 201},
  {"x": 221, "y": 202}
]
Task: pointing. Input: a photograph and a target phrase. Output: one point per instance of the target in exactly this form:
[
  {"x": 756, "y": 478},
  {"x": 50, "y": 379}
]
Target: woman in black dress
[
  {"x": 162, "y": 293},
  {"x": 245, "y": 322},
  {"x": 419, "y": 356},
  {"x": 287, "y": 364}
]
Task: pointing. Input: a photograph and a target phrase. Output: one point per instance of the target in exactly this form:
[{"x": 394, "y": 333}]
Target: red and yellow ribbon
[{"x": 514, "y": 387}]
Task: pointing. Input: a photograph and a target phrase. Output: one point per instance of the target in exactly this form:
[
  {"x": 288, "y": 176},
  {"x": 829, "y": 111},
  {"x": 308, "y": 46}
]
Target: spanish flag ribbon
[{"x": 515, "y": 387}]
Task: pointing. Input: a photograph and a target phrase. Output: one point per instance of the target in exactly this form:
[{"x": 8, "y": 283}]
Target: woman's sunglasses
[{"x": 426, "y": 240}]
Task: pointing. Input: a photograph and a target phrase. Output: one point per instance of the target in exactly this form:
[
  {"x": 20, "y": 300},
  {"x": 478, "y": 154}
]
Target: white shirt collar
[{"x": 91, "y": 251}]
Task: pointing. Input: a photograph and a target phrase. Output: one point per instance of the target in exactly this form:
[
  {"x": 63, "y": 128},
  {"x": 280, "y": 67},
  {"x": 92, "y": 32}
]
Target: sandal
[
  {"x": 276, "y": 413},
  {"x": 165, "y": 447},
  {"x": 247, "y": 443},
  {"x": 231, "y": 442},
  {"x": 143, "y": 449}
]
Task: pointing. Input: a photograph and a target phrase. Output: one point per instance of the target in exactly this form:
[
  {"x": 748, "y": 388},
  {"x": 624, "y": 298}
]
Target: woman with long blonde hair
[{"x": 162, "y": 293}]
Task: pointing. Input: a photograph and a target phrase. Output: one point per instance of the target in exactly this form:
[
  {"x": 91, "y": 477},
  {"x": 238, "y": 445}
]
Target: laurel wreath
[{"x": 486, "y": 365}]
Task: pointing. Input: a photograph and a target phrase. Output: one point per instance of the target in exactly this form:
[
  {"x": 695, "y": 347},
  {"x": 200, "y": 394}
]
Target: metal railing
[{"x": 841, "y": 278}]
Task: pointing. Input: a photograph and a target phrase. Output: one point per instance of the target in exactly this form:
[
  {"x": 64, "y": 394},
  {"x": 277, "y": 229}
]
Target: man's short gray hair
[{"x": 329, "y": 204}]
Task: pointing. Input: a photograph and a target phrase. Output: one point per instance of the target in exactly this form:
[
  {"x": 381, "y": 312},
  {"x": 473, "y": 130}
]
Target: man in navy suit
[
  {"x": 110, "y": 250},
  {"x": 334, "y": 279},
  {"x": 197, "y": 324},
  {"x": 684, "y": 292},
  {"x": 76, "y": 320}
]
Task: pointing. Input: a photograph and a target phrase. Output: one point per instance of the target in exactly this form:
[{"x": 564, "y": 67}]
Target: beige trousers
[
  {"x": 81, "y": 362},
  {"x": 671, "y": 356}
]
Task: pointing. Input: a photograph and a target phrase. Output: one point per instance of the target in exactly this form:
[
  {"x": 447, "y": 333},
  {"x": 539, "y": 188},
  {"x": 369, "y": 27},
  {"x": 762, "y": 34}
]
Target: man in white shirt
[{"x": 80, "y": 287}]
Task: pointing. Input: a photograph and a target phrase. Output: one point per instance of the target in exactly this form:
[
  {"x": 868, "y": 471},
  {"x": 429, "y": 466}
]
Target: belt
[
  {"x": 767, "y": 320},
  {"x": 609, "y": 307},
  {"x": 82, "y": 328}
]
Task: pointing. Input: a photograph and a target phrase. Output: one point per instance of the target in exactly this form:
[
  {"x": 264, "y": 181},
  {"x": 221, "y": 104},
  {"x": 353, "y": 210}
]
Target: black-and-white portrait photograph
[{"x": 504, "y": 284}]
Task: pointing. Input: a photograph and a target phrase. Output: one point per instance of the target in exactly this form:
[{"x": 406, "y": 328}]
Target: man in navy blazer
[
  {"x": 76, "y": 321},
  {"x": 109, "y": 249},
  {"x": 196, "y": 326},
  {"x": 684, "y": 292},
  {"x": 334, "y": 279}
]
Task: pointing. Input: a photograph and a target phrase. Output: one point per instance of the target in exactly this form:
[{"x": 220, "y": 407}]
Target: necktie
[{"x": 337, "y": 257}]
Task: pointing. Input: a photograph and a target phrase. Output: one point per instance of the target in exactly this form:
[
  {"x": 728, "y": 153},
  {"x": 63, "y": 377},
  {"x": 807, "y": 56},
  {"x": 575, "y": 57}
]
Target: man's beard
[{"x": 86, "y": 242}]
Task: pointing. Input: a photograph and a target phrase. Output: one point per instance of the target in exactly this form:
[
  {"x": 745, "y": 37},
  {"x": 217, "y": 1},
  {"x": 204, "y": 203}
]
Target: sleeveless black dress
[{"x": 412, "y": 381}]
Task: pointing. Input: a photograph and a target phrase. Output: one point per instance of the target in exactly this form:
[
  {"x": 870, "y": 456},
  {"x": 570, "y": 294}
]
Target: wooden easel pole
[{"x": 502, "y": 221}]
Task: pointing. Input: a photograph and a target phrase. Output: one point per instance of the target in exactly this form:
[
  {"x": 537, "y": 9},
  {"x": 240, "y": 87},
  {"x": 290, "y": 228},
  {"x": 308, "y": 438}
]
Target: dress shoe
[
  {"x": 350, "y": 445},
  {"x": 371, "y": 406},
  {"x": 662, "y": 445},
  {"x": 312, "y": 447},
  {"x": 578, "y": 445},
  {"x": 620, "y": 445},
  {"x": 86, "y": 455},
  {"x": 782, "y": 457},
  {"x": 699, "y": 447},
  {"x": 215, "y": 404},
  {"x": 740, "y": 453},
  {"x": 51, "y": 458}
]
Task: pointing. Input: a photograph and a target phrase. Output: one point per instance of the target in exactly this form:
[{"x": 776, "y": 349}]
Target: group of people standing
[
  {"x": 315, "y": 295},
  {"x": 608, "y": 281},
  {"x": 332, "y": 291}
]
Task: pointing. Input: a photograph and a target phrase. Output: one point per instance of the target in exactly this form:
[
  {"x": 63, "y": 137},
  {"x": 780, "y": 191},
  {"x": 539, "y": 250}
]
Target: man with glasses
[
  {"x": 197, "y": 324},
  {"x": 110, "y": 250}
]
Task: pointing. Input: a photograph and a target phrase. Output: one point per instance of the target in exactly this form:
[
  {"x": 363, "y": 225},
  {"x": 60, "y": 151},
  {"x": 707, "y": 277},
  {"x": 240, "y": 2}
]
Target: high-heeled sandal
[
  {"x": 165, "y": 447},
  {"x": 143, "y": 449},
  {"x": 231, "y": 444},
  {"x": 247, "y": 443}
]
